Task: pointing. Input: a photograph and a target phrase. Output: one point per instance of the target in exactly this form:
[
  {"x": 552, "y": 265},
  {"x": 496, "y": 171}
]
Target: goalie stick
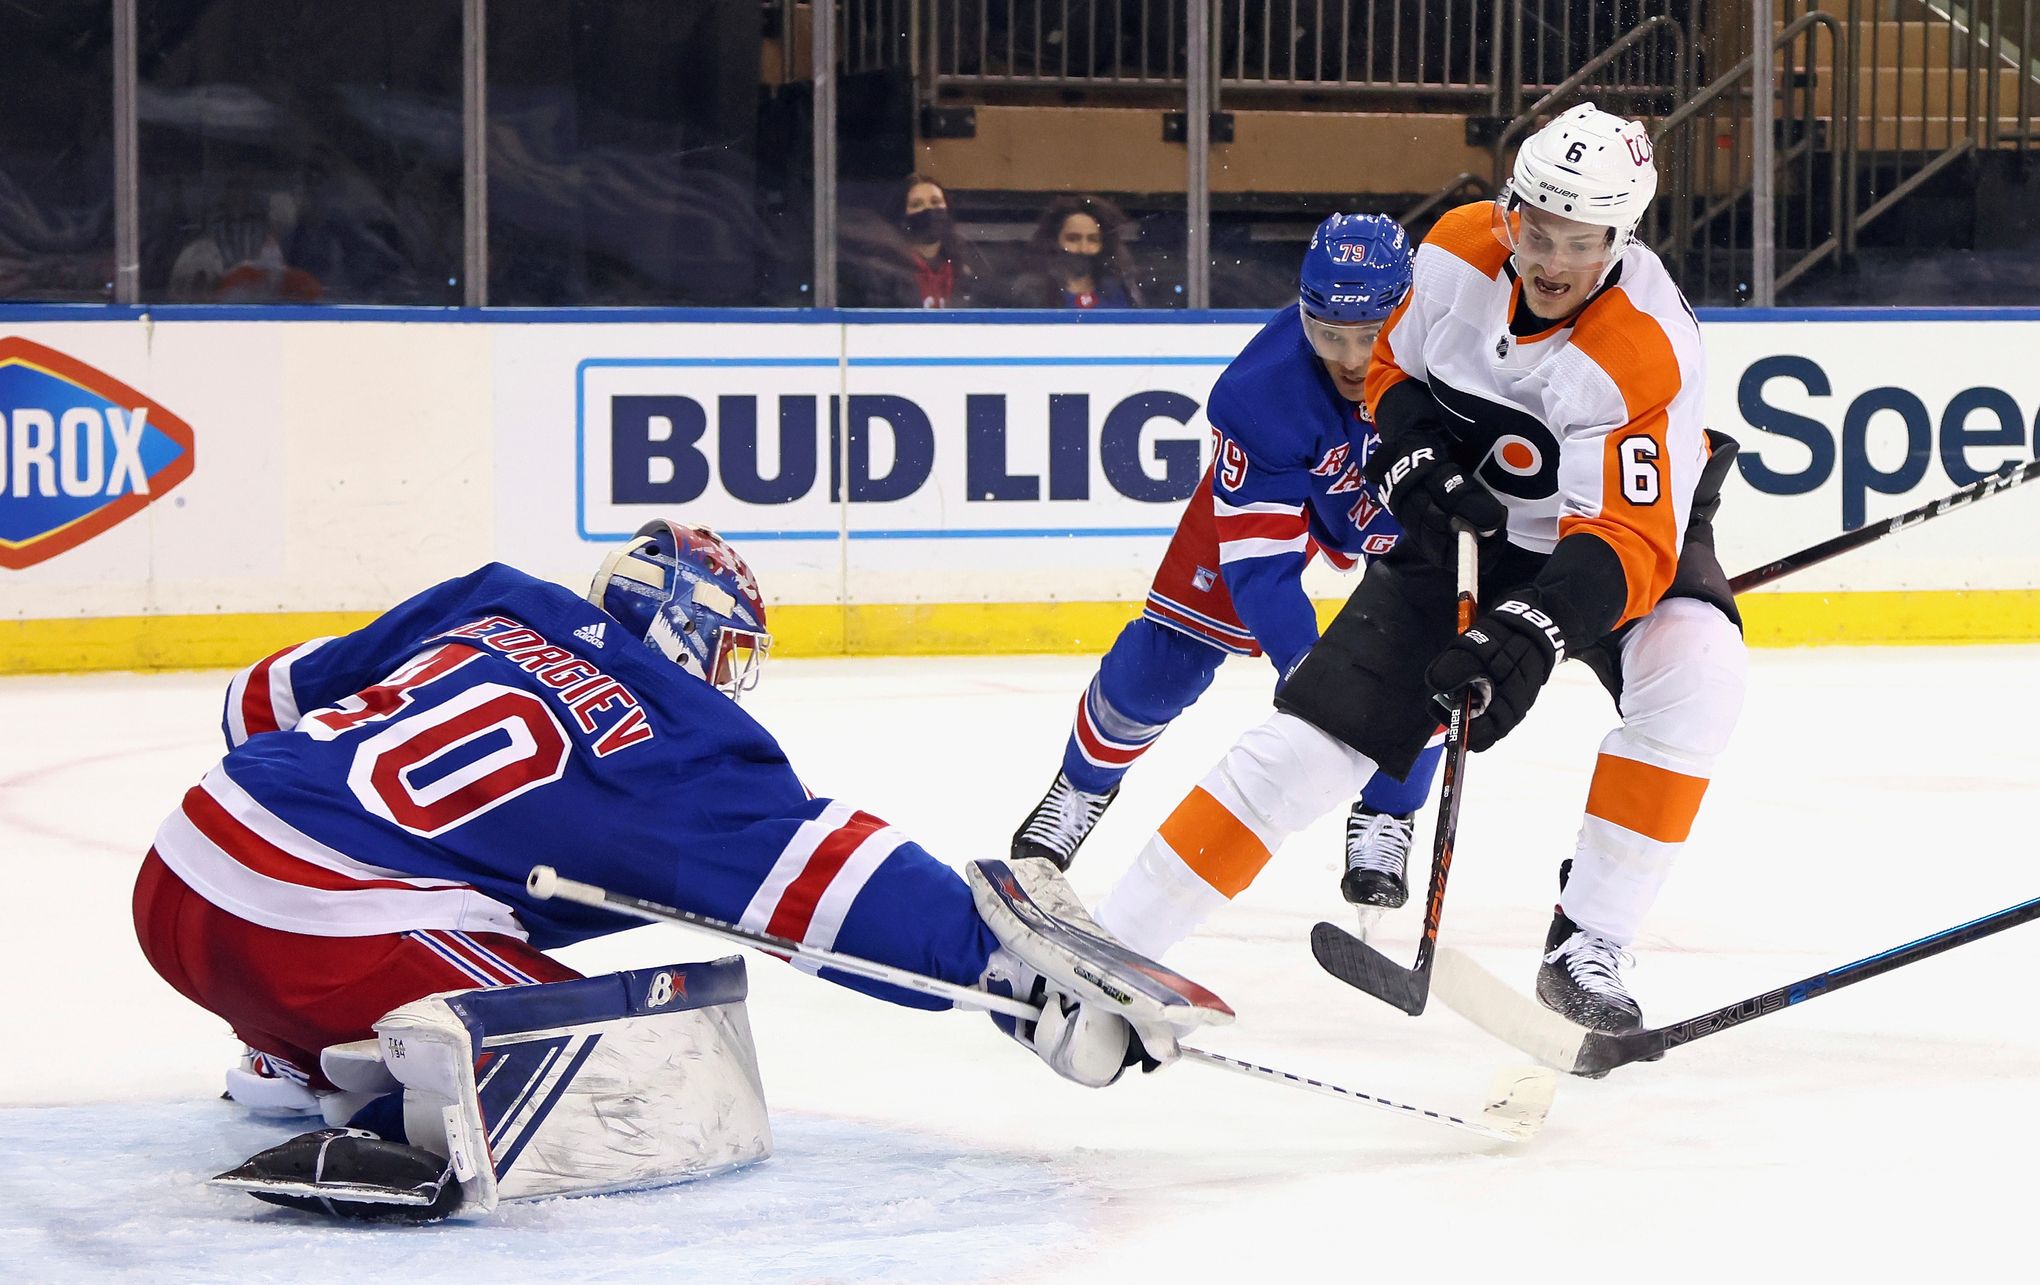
[
  {"x": 1516, "y": 1019},
  {"x": 1351, "y": 959},
  {"x": 1515, "y": 1110}
]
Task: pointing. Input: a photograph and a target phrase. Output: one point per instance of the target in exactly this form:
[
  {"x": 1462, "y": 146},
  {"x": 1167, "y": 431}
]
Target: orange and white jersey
[{"x": 1593, "y": 424}]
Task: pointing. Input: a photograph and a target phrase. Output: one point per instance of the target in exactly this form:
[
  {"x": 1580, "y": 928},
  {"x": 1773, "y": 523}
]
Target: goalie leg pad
[{"x": 610, "y": 1083}]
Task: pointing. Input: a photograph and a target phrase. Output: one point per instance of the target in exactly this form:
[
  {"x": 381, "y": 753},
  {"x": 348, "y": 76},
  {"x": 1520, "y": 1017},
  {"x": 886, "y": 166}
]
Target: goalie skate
[{"x": 350, "y": 1173}]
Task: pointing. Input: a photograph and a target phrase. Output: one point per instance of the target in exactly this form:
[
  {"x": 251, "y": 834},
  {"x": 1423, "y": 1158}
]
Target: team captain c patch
[{"x": 80, "y": 452}]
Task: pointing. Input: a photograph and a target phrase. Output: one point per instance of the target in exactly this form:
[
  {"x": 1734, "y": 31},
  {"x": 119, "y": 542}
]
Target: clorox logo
[{"x": 80, "y": 452}]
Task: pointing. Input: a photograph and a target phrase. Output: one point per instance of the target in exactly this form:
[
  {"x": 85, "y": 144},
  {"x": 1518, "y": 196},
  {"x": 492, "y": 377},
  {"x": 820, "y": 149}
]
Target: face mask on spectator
[
  {"x": 931, "y": 224},
  {"x": 1077, "y": 264}
]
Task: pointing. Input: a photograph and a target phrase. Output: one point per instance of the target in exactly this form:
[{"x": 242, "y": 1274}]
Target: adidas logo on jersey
[{"x": 593, "y": 634}]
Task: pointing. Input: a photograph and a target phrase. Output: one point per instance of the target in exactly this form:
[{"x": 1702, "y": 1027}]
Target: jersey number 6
[{"x": 1640, "y": 483}]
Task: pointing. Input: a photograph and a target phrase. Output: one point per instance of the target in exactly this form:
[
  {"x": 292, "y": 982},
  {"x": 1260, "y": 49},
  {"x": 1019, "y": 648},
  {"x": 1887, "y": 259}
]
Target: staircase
[{"x": 1876, "y": 103}]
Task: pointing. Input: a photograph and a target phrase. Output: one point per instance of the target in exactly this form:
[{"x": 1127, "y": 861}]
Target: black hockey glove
[
  {"x": 1414, "y": 474},
  {"x": 1505, "y": 657}
]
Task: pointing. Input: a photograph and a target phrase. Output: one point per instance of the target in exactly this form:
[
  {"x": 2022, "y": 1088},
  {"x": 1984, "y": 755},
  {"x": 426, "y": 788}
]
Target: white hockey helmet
[{"x": 1589, "y": 166}]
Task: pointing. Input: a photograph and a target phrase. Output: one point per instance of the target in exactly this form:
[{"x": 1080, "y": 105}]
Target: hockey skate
[
  {"x": 268, "y": 1085},
  {"x": 350, "y": 1173},
  {"x": 1060, "y": 823},
  {"x": 1377, "y": 853},
  {"x": 1581, "y": 978}
]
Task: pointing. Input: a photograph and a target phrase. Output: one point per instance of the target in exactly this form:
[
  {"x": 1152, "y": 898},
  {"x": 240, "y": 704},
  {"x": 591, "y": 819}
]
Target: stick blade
[
  {"x": 1506, "y": 1013},
  {"x": 1359, "y": 965},
  {"x": 1519, "y": 1100}
]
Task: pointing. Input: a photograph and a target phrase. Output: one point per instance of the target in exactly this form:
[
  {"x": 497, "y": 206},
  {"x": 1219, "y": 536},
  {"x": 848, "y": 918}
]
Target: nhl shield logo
[{"x": 80, "y": 452}]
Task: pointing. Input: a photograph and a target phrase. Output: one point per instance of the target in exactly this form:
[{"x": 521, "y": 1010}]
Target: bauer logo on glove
[{"x": 1510, "y": 652}]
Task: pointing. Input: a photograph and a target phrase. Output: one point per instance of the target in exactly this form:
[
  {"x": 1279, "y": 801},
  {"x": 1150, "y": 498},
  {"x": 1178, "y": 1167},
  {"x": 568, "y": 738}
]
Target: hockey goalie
[{"x": 347, "y": 889}]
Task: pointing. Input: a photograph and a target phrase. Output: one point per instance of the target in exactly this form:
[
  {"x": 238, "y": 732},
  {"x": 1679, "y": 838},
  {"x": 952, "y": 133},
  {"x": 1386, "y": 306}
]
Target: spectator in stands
[
  {"x": 914, "y": 257},
  {"x": 1080, "y": 258},
  {"x": 947, "y": 267}
]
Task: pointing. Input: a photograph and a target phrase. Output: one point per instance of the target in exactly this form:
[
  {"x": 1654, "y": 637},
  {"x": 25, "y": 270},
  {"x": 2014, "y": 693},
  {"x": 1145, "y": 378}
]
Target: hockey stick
[
  {"x": 548, "y": 884},
  {"x": 1352, "y": 960},
  {"x": 2004, "y": 479},
  {"x": 1481, "y": 998},
  {"x": 1517, "y": 1106}
]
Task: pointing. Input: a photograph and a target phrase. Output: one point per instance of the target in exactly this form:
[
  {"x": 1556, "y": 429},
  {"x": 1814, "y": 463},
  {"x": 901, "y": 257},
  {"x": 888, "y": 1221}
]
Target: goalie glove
[{"x": 1080, "y": 1040}]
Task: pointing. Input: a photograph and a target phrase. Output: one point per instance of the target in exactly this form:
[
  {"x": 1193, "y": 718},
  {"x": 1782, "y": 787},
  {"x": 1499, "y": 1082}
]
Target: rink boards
[{"x": 195, "y": 486}]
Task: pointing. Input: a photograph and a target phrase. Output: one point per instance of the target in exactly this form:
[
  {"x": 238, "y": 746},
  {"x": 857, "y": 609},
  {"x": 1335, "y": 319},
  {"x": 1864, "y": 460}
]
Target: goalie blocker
[{"x": 518, "y": 1093}]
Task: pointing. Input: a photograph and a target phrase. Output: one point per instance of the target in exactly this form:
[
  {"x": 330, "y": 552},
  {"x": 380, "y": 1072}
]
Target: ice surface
[
  {"x": 839, "y": 1200},
  {"x": 1871, "y": 797}
]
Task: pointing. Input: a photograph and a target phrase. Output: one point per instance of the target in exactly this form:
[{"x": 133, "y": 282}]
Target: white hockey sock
[
  {"x": 1158, "y": 902},
  {"x": 1276, "y": 779},
  {"x": 1682, "y": 688}
]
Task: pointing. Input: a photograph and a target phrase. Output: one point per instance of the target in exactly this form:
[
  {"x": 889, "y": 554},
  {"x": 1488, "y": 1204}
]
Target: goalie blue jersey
[{"x": 408, "y": 776}]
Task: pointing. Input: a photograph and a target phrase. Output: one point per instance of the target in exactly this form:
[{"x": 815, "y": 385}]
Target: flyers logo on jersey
[{"x": 80, "y": 452}]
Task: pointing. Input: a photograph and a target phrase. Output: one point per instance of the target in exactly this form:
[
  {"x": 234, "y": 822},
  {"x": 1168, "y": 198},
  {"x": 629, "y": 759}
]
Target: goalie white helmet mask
[{"x": 1588, "y": 167}]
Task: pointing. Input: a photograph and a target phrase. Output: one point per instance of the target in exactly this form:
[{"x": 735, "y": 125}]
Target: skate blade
[{"x": 1367, "y": 918}]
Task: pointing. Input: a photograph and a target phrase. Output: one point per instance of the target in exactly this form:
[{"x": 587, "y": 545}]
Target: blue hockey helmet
[
  {"x": 689, "y": 596},
  {"x": 1356, "y": 270}
]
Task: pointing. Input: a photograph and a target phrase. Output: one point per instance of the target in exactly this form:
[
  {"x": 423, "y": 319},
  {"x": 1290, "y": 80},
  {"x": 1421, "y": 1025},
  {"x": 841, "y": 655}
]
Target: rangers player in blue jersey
[
  {"x": 362, "y": 851},
  {"x": 1285, "y": 486}
]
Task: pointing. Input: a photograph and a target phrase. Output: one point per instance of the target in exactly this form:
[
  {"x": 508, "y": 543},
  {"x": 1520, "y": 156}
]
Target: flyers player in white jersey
[{"x": 1543, "y": 384}]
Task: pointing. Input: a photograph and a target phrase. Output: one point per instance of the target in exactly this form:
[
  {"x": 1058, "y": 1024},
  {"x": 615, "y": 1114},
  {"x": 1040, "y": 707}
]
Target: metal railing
[
  {"x": 1656, "y": 41},
  {"x": 1549, "y": 39},
  {"x": 1465, "y": 185},
  {"x": 1610, "y": 75},
  {"x": 1350, "y": 46},
  {"x": 1707, "y": 165},
  {"x": 1934, "y": 83},
  {"x": 1056, "y": 43},
  {"x": 873, "y": 35},
  {"x": 1497, "y": 50}
]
